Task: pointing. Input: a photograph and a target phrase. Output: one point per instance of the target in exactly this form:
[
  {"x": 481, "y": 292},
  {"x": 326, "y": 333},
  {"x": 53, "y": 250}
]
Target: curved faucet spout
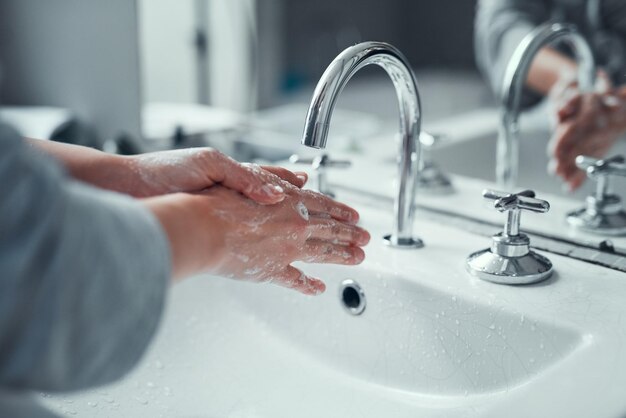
[
  {"x": 507, "y": 160},
  {"x": 328, "y": 89}
]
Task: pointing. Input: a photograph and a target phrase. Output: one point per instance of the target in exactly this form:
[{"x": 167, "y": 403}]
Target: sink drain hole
[{"x": 352, "y": 297}]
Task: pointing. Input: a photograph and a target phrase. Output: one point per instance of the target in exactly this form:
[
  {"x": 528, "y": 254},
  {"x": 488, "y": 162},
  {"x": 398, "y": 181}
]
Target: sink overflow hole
[{"x": 352, "y": 297}]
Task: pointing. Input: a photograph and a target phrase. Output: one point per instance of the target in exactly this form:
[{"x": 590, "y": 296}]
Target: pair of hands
[
  {"x": 586, "y": 124},
  {"x": 243, "y": 221}
]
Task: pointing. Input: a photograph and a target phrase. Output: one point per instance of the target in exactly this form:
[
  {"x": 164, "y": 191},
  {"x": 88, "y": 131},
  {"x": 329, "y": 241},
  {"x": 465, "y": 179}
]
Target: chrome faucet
[
  {"x": 507, "y": 158},
  {"x": 317, "y": 123}
]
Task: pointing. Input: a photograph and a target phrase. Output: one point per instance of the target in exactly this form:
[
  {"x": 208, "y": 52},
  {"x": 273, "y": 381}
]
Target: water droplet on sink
[
  {"x": 92, "y": 404},
  {"x": 436, "y": 316},
  {"x": 531, "y": 360},
  {"x": 453, "y": 298},
  {"x": 158, "y": 364},
  {"x": 492, "y": 326},
  {"x": 522, "y": 319},
  {"x": 141, "y": 400},
  {"x": 541, "y": 346}
]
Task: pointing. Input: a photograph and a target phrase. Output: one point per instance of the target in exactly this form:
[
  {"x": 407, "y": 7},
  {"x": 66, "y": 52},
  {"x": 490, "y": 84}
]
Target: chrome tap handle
[
  {"x": 600, "y": 170},
  {"x": 510, "y": 259},
  {"x": 320, "y": 163},
  {"x": 514, "y": 203},
  {"x": 614, "y": 166},
  {"x": 522, "y": 200},
  {"x": 603, "y": 212}
]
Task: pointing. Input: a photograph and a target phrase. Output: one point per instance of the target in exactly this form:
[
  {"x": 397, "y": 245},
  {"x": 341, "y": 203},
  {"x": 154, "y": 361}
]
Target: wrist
[{"x": 192, "y": 235}]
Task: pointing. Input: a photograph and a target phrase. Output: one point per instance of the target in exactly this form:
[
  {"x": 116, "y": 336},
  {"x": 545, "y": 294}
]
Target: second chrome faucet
[{"x": 507, "y": 158}]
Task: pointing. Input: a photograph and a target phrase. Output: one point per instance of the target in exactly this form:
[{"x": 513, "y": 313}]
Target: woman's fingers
[
  {"x": 293, "y": 278},
  {"x": 576, "y": 180},
  {"x": 565, "y": 140},
  {"x": 248, "y": 179},
  {"x": 332, "y": 230},
  {"x": 298, "y": 178},
  {"x": 317, "y": 203},
  {"x": 316, "y": 251},
  {"x": 569, "y": 107}
]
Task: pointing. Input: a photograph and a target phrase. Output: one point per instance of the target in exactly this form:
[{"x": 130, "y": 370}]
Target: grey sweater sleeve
[
  {"x": 83, "y": 276},
  {"x": 500, "y": 26}
]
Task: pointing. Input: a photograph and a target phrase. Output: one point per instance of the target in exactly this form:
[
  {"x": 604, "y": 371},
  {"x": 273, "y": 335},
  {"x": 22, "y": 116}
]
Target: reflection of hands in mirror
[
  {"x": 567, "y": 101},
  {"x": 587, "y": 124},
  {"x": 196, "y": 169},
  {"x": 221, "y": 232}
]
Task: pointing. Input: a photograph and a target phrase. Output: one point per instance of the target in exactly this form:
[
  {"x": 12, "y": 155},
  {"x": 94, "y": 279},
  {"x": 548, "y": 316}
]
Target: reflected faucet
[
  {"x": 507, "y": 158},
  {"x": 328, "y": 89}
]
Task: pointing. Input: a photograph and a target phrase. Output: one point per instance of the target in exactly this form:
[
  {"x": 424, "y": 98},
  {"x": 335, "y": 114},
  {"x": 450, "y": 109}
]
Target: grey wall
[
  {"x": 431, "y": 33},
  {"x": 79, "y": 54}
]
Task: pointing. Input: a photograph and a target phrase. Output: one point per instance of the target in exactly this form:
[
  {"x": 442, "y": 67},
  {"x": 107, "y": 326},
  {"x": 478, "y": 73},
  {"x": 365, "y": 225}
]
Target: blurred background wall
[
  {"x": 105, "y": 60},
  {"x": 75, "y": 54}
]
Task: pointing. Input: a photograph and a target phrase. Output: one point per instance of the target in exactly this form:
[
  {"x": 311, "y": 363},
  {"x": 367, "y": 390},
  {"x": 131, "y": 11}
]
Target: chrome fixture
[
  {"x": 603, "y": 212},
  {"x": 510, "y": 259},
  {"x": 320, "y": 165},
  {"x": 328, "y": 89},
  {"x": 432, "y": 180},
  {"x": 507, "y": 159},
  {"x": 352, "y": 297}
]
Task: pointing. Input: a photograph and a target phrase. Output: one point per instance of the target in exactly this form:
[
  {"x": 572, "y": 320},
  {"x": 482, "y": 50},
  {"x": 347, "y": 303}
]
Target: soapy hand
[
  {"x": 232, "y": 236},
  {"x": 587, "y": 124},
  {"x": 258, "y": 243},
  {"x": 196, "y": 169}
]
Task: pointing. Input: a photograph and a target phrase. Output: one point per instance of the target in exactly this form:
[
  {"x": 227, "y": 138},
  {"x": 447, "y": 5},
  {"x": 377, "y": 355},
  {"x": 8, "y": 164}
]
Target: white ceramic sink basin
[
  {"x": 432, "y": 342},
  {"x": 413, "y": 337}
]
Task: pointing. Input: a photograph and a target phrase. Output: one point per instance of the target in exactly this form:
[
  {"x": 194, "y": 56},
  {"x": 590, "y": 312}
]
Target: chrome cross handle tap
[
  {"x": 326, "y": 93},
  {"x": 603, "y": 212},
  {"x": 510, "y": 259},
  {"x": 321, "y": 164}
]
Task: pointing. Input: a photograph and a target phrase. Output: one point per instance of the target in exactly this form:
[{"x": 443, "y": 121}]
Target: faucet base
[
  {"x": 598, "y": 223},
  {"x": 433, "y": 181},
  {"x": 403, "y": 242},
  {"x": 527, "y": 269}
]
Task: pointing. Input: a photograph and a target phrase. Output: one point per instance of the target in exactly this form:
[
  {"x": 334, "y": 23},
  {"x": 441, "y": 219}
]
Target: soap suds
[{"x": 302, "y": 210}]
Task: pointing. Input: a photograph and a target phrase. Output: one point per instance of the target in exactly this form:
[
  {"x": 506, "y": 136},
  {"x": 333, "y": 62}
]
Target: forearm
[
  {"x": 100, "y": 169},
  {"x": 548, "y": 67},
  {"x": 500, "y": 26},
  {"x": 83, "y": 280}
]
